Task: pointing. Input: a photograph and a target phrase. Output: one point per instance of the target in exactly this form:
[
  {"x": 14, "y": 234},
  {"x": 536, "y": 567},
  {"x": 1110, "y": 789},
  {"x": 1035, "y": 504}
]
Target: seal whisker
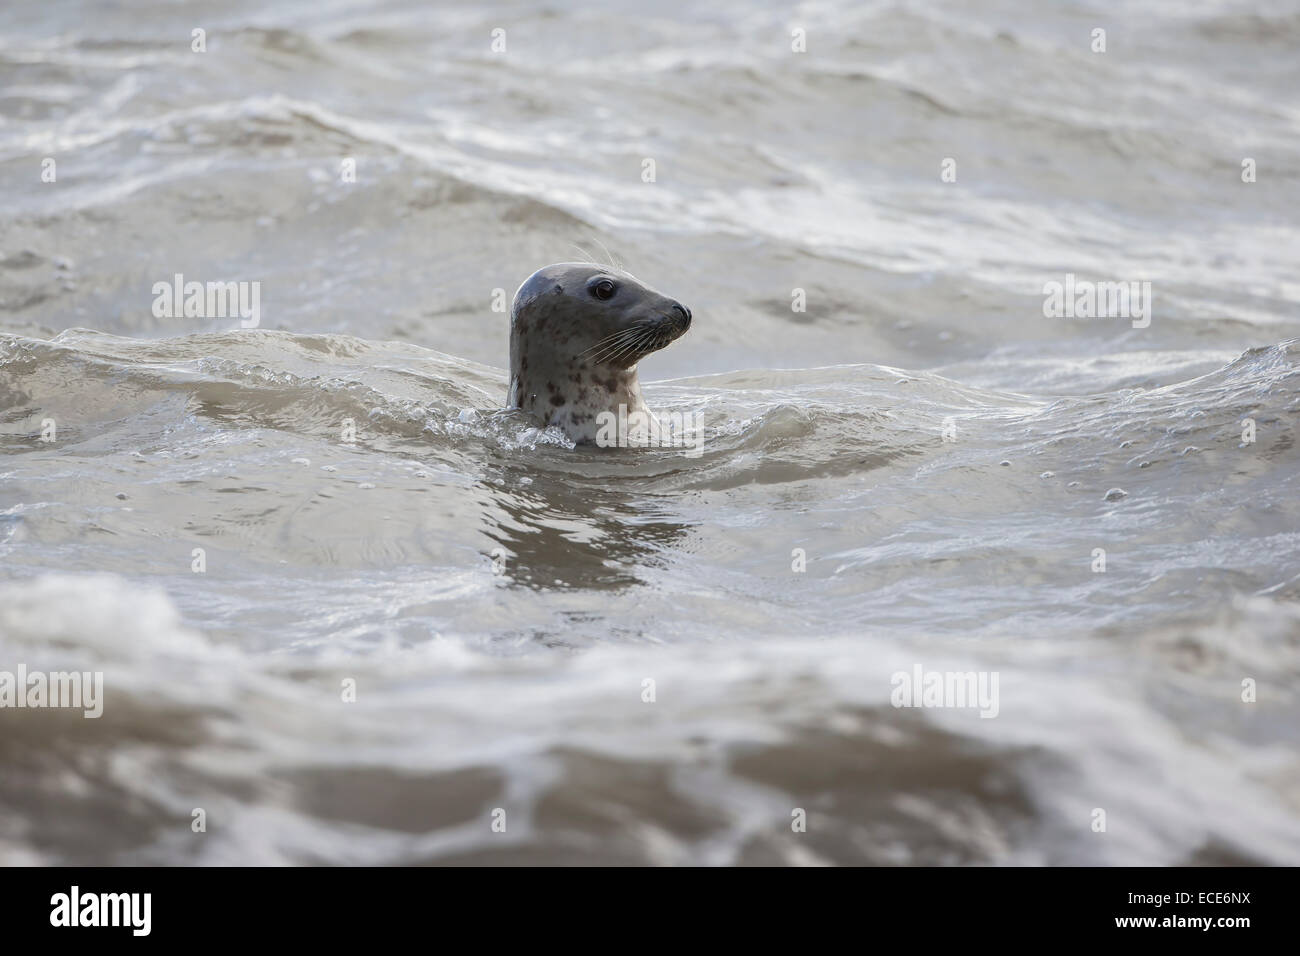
[
  {"x": 601, "y": 344},
  {"x": 613, "y": 349},
  {"x": 629, "y": 345},
  {"x": 609, "y": 340},
  {"x": 635, "y": 346},
  {"x": 625, "y": 340},
  {"x": 586, "y": 256},
  {"x": 606, "y": 251},
  {"x": 615, "y": 353}
]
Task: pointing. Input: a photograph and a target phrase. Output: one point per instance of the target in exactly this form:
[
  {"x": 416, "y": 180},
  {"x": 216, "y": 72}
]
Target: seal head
[{"x": 577, "y": 332}]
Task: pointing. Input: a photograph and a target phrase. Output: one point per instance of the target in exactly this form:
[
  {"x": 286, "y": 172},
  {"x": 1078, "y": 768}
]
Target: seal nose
[{"x": 685, "y": 314}]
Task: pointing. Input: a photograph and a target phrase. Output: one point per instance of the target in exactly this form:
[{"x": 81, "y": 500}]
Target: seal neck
[{"x": 573, "y": 395}]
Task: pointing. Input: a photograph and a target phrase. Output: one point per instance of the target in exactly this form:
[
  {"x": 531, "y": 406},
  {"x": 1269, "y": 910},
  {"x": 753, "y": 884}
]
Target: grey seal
[{"x": 577, "y": 332}]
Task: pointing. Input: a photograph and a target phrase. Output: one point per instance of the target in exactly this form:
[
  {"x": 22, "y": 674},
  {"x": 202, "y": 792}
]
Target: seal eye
[{"x": 604, "y": 289}]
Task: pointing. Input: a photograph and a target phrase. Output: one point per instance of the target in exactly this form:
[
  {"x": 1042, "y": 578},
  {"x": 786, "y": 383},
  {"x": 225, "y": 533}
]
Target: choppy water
[{"x": 517, "y": 683}]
